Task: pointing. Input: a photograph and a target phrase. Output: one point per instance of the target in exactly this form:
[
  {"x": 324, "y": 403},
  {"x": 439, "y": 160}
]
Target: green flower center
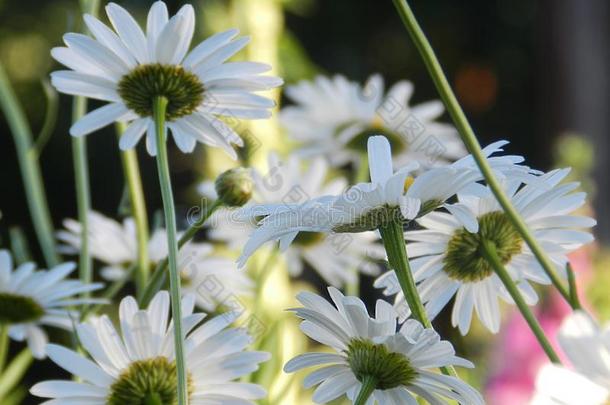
[
  {"x": 147, "y": 382},
  {"x": 183, "y": 90},
  {"x": 19, "y": 309},
  {"x": 463, "y": 260},
  {"x": 306, "y": 239},
  {"x": 370, "y": 220},
  {"x": 360, "y": 141},
  {"x": 388, "y": 369}
]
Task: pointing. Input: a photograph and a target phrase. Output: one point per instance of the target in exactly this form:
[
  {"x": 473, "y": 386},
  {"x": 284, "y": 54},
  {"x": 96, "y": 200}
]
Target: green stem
[
  {"x": 4, "y": 343},
  {"x": 14, "y": 372},
  {"x": 83, "y": 194},
  {"x": 393, "y": 239},
  {"x": 471, "y": 142},
  {"x": 81, "y": 179},
  {"x": 131, "y": 169},
  {"x": 573, "y": 289},
  {"x": 366, "y": 390},
  {"x": 488, "y": 250},
  {"x": 158, "y": 277},
  {"x": 159, "y": 110},
  {"x": 30, "y": 170}
]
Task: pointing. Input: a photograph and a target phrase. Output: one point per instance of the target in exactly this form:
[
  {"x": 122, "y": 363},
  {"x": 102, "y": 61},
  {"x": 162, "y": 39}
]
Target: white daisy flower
[
  {"x": 399, "y": 363},
  {"x": 30, "y": 299},
  {"x": 128, "y": 68},
  {"x": 366, "y": 206},
  {"x": 137, "y": 366},
  {"x": 288, "y": 182},
  {"x": 333, "y": 117},
  {"x": 587, "y": 346},
  {"x": 200, "y": 269},
  {"x": 446, "y": 261}
]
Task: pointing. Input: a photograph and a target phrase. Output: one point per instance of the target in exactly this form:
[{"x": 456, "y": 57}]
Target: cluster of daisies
[{"x": 405, "y": 167}]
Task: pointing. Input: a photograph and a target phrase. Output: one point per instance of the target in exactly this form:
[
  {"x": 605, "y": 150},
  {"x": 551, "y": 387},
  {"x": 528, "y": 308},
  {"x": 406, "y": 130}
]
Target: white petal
[
  {"x": 133, "y": 133},
  {"x": 100, "y": 56},
  {"x": 128, "y": 29},
  {"x": 157, "y": 18},
  {"x": 380, "y": 159},
  {"x": 99, "y": 118},
  {"x": 78, "y": 365},
  {"x": 109, "y": 39},
  {"x": 82, "y": 84},
  {"x": 209, "y": 46}
]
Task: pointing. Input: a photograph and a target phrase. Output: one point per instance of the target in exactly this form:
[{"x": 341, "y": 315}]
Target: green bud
[{"x": 234, "y": 187}]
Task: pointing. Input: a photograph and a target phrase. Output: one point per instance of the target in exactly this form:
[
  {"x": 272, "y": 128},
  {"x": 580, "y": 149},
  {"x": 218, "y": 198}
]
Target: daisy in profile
[
  {"x": 391, "y": 195},
  {"x": 31, "y": 299},
  {"x": 446, "y": 259},
  {"x": 136, "y": 365},
  {"x": 333, "y": 117},
  {"x": 395, "y": 366},
  {"x": 587, "y": 346},
  {"x": 128, "y": 68},
  {"x": 286, "y": 183},
  {"x": 115, "y": 245}
]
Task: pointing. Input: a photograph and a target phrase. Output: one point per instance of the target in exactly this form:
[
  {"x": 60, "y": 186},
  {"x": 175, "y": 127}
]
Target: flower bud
[{"x": 234, "y": 187}]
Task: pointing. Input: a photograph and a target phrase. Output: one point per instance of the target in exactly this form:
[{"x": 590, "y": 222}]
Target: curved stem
[
  {"x": 573, "y": 289},
  {"x": 131, "y": 168},
  {"x": 471, "y": 142},
  {"x": 158, "y": 277},
  {"x": 393, "y": 239},
  {"x": 30, "y": 170},
  {"x": 488, "y": 250},
  {"x": 159, "y": 108},
  {"x": 366, "y": 390}
]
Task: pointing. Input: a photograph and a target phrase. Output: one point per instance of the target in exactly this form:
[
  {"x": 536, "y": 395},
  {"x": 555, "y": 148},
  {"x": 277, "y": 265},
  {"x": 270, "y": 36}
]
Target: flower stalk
[
  {"x": 159, "y": 110},
  {"x": 392, "y": 235},
  {"x": 29, "y": 166},
  {"x": 83, "y": 194},
  {"x": 488, "y": 251},
  {"x": 131, "y": 168},
  {"x": 81, "y": 178},
  {"x": 366, "y": 390},
  {"x": 157, "y": 279},
  {"x": 468, "y": 137}
]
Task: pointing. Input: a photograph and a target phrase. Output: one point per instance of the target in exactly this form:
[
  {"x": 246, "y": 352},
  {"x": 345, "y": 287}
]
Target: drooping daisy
[
  {"x": 587, "y": 346},
  {"x": 446, "y": 260},
  {"x": 333, "y": 117},
  {"x": 286, "y": 183},
  {"x": 30, "y": 299},
  {"x": 391, "y": 195},
  {"x": 137, "y": 366},
  {"x": 116, "y": 246},
  {"x": 400, "y": 363},
  {"x": 128, "y": 68}
]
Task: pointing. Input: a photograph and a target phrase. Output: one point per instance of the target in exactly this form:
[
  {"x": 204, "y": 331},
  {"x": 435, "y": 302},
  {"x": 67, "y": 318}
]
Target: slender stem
[
  {"x": 81, "y": 179},
  {"x": 573, "y": 289},
  {"x": 4, "y": 342},
  {"x": 131, "y": 169},
  {"x": 471, "y": 142},
  {"x": 83, "y": 194},
  {"x": 157, "y": 279},
  {"x": 488, "y": 250},
  {"x": 393, "y": 239},
  {"x": 159, "y": 108},
  {"x": 14, "y": 372},
  {"x": 30, "y": 169},
  {"x": 366, "y": 390}
]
